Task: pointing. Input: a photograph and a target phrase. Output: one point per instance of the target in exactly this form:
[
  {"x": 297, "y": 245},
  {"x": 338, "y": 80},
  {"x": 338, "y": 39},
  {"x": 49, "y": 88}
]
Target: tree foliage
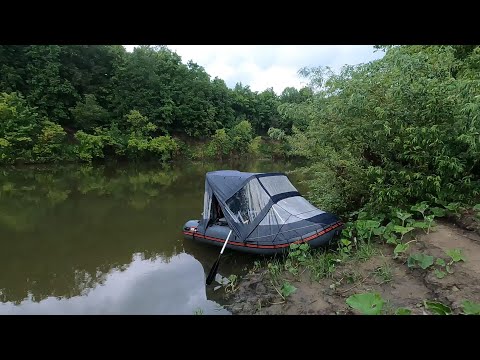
[
  {"x": 394, "y": 131},
  {"x": 95, "y": 88}
]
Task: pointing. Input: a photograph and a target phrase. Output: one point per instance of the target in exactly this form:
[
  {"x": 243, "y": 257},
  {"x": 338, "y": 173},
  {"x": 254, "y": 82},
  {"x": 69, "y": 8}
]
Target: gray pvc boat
[{"x": 264, "y": 212}]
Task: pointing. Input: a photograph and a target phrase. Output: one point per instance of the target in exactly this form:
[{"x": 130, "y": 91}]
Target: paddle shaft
[
  {"x": 214, "y": 269},
  {"x": 225, "y": 243}
]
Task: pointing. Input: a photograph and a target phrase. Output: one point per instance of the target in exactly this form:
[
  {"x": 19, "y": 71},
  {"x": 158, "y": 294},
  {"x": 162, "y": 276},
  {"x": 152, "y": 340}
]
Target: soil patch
[{"x": 400, "y": 285}]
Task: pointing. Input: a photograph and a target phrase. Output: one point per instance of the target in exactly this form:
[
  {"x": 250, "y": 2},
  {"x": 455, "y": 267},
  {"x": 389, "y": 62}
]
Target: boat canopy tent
[{"x": 259, "y": 207}]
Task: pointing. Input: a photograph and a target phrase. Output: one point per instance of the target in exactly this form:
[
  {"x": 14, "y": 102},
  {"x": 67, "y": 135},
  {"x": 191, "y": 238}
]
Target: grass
[
  {"x": 322, "y": 264},
  {"x": 384, "y": 273},
  {"x": 351, "y": 276},
  {"x": 365, "y": 251}
]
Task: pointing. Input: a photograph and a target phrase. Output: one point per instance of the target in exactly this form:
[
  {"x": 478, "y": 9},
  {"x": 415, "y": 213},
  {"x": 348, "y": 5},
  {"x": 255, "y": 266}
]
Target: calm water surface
[{"x": 107, "y": 239}]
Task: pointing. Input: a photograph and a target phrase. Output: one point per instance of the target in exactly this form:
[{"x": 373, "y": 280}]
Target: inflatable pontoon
[{"x": 264, "y": 212}]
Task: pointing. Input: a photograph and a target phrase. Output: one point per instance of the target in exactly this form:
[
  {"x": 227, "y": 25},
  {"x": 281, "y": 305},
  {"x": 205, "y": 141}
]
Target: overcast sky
[{"x": 264, "y": 66}]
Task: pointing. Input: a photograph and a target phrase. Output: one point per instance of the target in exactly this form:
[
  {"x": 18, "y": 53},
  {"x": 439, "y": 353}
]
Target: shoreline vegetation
[
  {"x": 392, "y": 146},
  {"x": 79, "y": 103}
]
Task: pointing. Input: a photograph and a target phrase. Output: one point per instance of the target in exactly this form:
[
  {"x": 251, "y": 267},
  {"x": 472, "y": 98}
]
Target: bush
[
  {"x": 254, "y": 148},
  {"x": 163, "y": 147},
  {"x": 25, "y": 136},
  {"x": 50, "y": 145},
  {"x": 395, "y": 131},
  {"x": 88, "y": 114},
  {"x": 88, "y": 147},
  {"x": 241, "y": 135},
  {"x": 276, "y": 134},
  {"x": 220, "y": 145}
]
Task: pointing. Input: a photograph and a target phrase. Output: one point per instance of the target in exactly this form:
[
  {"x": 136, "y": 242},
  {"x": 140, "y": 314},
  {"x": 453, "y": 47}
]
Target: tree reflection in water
[{"x": 67, "y": 230}]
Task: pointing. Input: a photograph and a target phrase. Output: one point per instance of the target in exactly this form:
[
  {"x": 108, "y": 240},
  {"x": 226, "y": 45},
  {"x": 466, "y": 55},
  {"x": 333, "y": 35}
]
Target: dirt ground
[{"x": 399, "y": 285}]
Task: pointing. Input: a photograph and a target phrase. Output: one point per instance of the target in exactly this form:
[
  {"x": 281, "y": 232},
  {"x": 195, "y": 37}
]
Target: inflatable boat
[{"x": 261, "y": 213}]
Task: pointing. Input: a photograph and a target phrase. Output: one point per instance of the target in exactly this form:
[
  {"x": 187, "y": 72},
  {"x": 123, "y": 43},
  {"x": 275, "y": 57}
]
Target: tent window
[
  {"x": 246, "y": 204},
  {"x": 290, "y": 210},
  {"x": 276, "y": 216},
  {"x": 277, "y": 184},
  {"x": 299, "y": 206}
]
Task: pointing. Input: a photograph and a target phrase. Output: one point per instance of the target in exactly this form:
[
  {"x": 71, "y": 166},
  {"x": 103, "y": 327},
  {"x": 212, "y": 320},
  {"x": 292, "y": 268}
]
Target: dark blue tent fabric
[
  {"x": 247, "y": 198},
  {"x": 225, "y": 183}
]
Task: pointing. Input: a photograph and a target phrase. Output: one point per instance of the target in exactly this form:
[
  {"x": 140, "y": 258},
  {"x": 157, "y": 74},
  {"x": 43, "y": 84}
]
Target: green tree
[
  {"x": 241, "y": 135},
  {"x": 49, "y": 91},
  {"x": 393, "y": 131},
  {"x": 25, "y": 136},
  {"x": 146, "y": 81},
  {"x": 220, "y": 145},
  {"x": 89, "y": 114}
]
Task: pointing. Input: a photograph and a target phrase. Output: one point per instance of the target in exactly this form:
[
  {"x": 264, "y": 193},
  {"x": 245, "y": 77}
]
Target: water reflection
[
  {"x": 144, "y": 287},
  {"x": 69, "y": 232}
]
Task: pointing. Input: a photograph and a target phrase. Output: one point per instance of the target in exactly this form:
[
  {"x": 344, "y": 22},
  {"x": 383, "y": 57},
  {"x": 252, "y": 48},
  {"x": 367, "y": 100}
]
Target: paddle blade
[{"x": 213, "y": 272}]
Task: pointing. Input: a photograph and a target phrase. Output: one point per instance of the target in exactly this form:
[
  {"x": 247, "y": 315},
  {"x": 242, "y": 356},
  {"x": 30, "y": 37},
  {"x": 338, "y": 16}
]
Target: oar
[{"x": 214, "y": 269}]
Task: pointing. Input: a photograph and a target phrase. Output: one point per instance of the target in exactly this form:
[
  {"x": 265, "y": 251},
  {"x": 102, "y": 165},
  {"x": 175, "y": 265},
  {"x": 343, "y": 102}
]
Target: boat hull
[{"x": 217, "y": 234}]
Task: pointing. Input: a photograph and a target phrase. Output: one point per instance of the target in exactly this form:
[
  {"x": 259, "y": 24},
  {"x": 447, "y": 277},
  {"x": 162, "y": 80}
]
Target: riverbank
[{"x": 396, "y": 285}]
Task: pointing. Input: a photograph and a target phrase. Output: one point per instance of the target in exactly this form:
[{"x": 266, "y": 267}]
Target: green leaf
[
  {"x": 346, "y": 242},
  {"x": 295, "y": 253},
  {"x": 372, "y": 224},
  {"x": 392, "y": 239},
  {"x": 454, "y": 207},
  {"x": 440, "y": 262},
  {"x": 439, "y": 273},
  {"x": 456, "y": 255},
  {"x": 411, "y": 262},
  {"x": 287, "y": 289},
  {"x": 403, "y": 311},
  {"x": 476, "y": 207},
  {"x": 379, "y": 231},
  {"x": 294, "y": 246},
  {"x": 425, "y": 261},
  {"x": 471, "y": 308},
  {"x": 402, "y": 229},
  {"x": 362, "y": 215},
  {"x": 430, "y": 218},
  {"x": 438, "y": 212},
  {"x": 403, "y": 216},
  {"x": 420, "y": 207},
  {"x": 400, "y": 248},
  {"x": 304, "y": 247},
  {"x": 389, "y": 228},
  {"x": 449, "y": 269},
  {"x": 367, "y": 303},
  {"x": 420, "y": 225},
  {"x": 418, "y": 259},
  {"x": 437, "y": 308}
]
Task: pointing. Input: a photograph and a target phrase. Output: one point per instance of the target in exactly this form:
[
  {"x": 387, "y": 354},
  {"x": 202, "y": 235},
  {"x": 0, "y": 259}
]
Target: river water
[{"x": 107, "y": 239}]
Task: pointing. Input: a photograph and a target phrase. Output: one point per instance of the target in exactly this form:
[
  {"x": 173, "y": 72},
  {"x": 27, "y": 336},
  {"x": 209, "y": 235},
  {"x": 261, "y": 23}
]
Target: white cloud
[
  {"x": 264, "y": 66},
  {"x": 145, "y": 287}
]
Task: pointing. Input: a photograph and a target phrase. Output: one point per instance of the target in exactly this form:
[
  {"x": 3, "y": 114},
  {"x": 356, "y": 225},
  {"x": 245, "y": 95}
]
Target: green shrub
[
  {"x": 25, "y": 136},
  {"x": 394, "y": 131},
  {"x": 241, "y": 135},
  {"x": 220, "y": 145},
  {"x": 89, "y": 147}
]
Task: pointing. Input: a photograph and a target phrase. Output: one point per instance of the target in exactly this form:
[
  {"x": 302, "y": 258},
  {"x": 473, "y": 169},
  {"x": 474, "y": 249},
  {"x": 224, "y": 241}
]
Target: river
[{"x": 106, "y": 239}]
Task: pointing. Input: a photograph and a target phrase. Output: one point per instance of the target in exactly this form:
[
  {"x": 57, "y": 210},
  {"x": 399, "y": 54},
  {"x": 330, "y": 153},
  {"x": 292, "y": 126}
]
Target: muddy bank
[{"x": 397, "y": 283}]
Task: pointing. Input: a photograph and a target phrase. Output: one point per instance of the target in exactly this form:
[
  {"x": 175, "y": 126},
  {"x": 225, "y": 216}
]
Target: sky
[
  {"x": 155, "y": 286},
  {"x": 265, "y": 66}
]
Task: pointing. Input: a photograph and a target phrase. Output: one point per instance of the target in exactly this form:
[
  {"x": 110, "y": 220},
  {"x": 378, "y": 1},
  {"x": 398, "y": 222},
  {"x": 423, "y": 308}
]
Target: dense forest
[
  {"x": 88, "y": 102},
  {"x": 404, "y": 127}
]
